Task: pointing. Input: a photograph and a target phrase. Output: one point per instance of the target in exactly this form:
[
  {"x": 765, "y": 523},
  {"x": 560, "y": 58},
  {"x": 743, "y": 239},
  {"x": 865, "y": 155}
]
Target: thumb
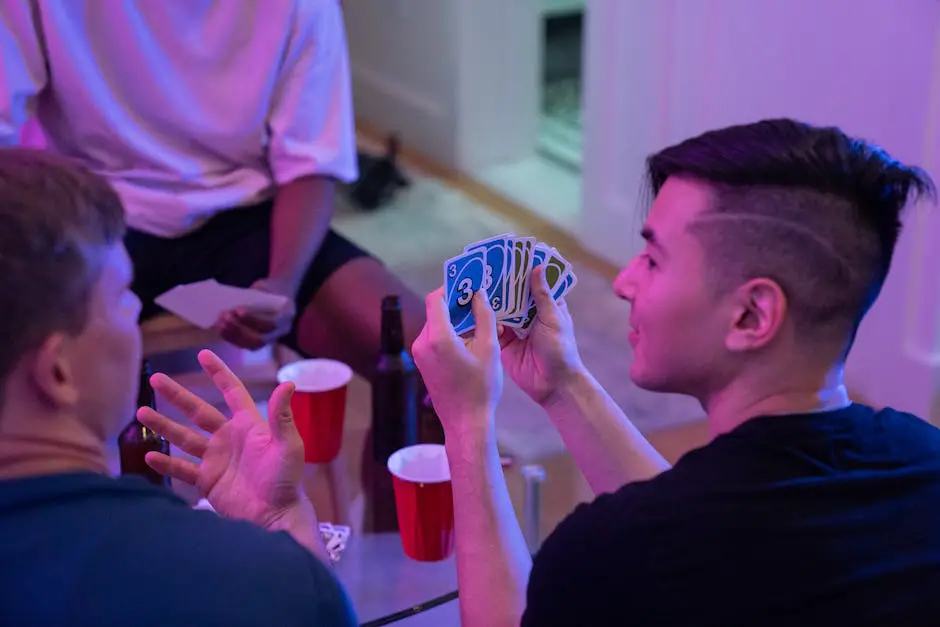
[
  {"x": 280, "y": 416},
  {"x": 546, "y": 305}
]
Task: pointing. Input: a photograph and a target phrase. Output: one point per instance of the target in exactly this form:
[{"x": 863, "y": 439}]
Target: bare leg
[
  {"x": 343, "y": 322},
  {"x": 327, "y": 486}
]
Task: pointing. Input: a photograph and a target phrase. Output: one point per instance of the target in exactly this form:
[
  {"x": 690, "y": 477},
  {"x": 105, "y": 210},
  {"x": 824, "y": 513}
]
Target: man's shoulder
[
  {"x": 899, "y": 418},
  {"x": 119, "y": 544}
]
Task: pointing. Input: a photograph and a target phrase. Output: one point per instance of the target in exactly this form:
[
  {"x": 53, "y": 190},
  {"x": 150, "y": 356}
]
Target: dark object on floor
[{"x": 379, "y": 178}]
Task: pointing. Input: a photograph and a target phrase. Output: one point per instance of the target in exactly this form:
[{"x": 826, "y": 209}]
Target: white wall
[
  {"x": 458, "y": 79},
  {"x": 662, "y": 71},
  {"x": 403, "y": 60}
]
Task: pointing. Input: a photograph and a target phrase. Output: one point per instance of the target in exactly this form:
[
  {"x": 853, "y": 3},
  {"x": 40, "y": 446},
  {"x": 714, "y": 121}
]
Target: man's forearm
[
  {"x": 493, "y": 562},
  {"x": 301, "y": 218},
  {"x": 605, "y": 445}
]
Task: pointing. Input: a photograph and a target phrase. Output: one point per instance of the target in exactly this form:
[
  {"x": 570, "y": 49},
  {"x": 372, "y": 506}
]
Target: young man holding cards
[
  {"x": 766, "y": 244},
  {"x": 224, "y": 131}
]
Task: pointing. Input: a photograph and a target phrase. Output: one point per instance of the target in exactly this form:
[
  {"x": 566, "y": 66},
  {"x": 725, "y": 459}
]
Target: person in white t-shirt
[{"x": 224, "y": 128}]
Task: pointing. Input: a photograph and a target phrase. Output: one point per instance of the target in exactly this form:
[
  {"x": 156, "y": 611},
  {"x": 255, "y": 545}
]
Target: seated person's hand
[
  {"x": 463, "y": 376},
  {"x": 547, "y": 358},
  {"x": 249, "y": 467},
  {"x": 254, "y": 329}
]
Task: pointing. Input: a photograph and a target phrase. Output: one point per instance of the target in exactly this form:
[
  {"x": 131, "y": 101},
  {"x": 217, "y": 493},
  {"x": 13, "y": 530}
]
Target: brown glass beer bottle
[
  {"x": 394, "y": 415},
  {"x": 136, "y": 440}
]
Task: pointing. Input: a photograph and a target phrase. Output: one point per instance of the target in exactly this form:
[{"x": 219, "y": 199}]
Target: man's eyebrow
[{"x": 650, "y": 236}]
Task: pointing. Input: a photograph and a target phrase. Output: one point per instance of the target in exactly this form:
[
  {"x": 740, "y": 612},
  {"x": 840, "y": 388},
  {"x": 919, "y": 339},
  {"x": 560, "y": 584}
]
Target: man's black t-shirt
[
  {"x": 83, "y": 549},
  {"x": 820, "y": 519}
]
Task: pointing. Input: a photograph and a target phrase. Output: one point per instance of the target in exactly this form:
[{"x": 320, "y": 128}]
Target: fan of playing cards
[{"x": 502, "y": 267}]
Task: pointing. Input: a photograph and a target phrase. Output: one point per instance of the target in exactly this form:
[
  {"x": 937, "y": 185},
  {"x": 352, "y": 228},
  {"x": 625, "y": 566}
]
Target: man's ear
[
  {"x": 52, "y": 373},
  {"x": 759, "y": 310}
]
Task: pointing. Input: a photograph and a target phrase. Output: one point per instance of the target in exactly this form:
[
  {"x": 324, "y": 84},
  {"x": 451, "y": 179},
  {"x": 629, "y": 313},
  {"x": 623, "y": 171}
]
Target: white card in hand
[
  {"x": 196, "y": 303},
  {"x": 250, "y": 299},
  {"x": 202, "y": 303}
]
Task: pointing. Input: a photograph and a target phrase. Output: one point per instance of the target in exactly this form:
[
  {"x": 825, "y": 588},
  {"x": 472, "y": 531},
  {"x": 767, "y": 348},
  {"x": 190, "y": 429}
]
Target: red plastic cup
[
  {"x": 319, "y": 405},
  {"x": 424, "y": 501}
]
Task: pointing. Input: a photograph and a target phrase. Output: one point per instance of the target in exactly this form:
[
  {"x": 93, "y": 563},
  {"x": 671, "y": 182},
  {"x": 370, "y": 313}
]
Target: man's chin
[{"x": 646, "y": 380}]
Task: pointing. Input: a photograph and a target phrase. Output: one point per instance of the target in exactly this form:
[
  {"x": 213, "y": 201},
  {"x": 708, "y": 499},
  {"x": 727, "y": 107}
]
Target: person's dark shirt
[
  {"x": 83, "y": 549},
  {"x": 819, "y": 519}
]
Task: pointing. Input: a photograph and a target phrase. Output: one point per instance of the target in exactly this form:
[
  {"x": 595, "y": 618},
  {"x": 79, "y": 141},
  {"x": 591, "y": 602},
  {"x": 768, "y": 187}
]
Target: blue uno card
[
  {"x": 463, "y": 277},
  {"x": 564, "y": 286},
  {"x": 496, "y": 272},
  {"x": 539, "y": 254}
]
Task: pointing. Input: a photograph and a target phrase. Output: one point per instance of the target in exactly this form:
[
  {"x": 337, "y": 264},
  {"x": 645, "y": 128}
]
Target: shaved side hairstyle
[
  {"x": 56, "y": 219},
  {"x": 812, "y": 209}
]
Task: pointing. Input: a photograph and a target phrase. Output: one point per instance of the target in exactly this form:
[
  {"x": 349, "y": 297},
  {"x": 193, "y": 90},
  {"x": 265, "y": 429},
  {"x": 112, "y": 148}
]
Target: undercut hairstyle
[
  {"x": 808, "y": 207},
  {"x": 56, "y": 221}
]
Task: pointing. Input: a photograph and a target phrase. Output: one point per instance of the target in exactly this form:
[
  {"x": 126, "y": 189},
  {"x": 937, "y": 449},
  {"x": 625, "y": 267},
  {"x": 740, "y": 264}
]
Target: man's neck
[
  {"x": 743, "y": 400},
  {"x": 34, "y": 454}
]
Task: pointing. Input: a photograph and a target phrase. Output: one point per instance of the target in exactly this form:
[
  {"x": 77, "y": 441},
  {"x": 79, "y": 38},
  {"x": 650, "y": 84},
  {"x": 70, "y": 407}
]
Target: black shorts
[{"x": 233, "y": 248}]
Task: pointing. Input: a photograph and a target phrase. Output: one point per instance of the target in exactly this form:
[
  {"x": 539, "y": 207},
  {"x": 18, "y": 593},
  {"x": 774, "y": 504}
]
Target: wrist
[
  {"x": 300, "y": 522},
  {"x": 473, "y": 432},
  {"x": 578, "y": 383},
  {"x": 471, "y": 454},
  {"x": 297, "y": 514}
]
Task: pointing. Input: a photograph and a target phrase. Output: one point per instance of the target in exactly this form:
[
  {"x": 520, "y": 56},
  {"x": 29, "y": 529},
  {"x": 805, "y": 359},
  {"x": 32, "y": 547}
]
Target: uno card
[
  {"x": 496, "y": 256},
  {"x": 508, "y": 276},
  {"x": 522, "y": 329},
  {"x": 560, "y": 282},
  {"x": 566, "y": 285},
  {"x": 539, "y": 254},
  {"x": 521, "y": 270},
  {"x": 463, "y": 277},
  {"x": 556, "y": 268}
]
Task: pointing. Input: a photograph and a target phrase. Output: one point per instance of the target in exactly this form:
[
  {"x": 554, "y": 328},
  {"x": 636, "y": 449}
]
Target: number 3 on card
[
  {"x": 465, "y": 292},
  {"x": 463, "y": 276}
]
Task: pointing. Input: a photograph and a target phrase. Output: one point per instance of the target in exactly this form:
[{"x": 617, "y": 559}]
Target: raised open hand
[{"x": 249, "y": 468}]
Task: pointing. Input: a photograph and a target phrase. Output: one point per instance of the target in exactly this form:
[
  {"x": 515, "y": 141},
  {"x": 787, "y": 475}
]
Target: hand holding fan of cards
[{"x": 502, "y": 267}]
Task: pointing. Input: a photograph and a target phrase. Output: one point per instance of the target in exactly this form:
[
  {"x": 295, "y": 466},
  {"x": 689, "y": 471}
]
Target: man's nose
[{"x": 624, "y": 286}]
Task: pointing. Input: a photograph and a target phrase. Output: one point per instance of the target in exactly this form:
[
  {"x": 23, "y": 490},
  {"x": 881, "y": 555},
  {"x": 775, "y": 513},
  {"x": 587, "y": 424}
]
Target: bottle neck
[
  {"x": 393, "y": 337},
  {"x": 146, "y": 397},
  {"x": 145, "y": 394}
]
